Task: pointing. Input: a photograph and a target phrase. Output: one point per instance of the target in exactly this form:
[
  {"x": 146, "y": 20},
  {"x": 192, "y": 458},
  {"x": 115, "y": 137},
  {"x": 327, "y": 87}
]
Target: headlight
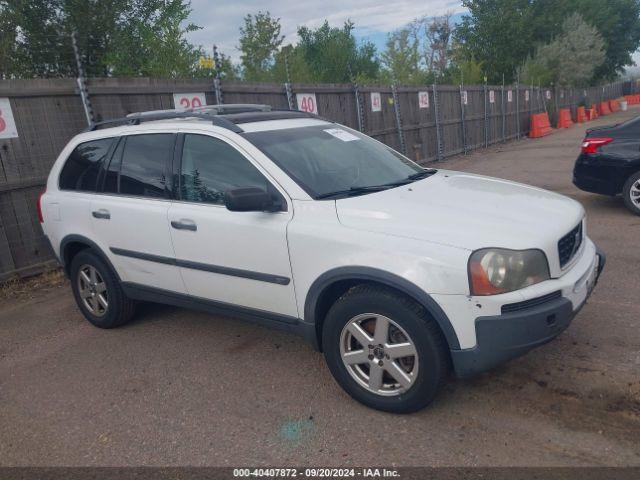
[{"x": 497, "y": 270}]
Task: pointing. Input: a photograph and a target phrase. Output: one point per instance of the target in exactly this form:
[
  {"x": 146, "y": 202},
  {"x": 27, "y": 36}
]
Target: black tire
[
  {"x": 430, "y": 344},
  {"x": 120, "y": 308},
  {"x": 627, "y": 193}
]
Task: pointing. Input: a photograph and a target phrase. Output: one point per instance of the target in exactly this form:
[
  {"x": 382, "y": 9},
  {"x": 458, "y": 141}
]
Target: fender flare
[
  {"x": 385, "y": 278},
  {"x": 89, "y": 243}
]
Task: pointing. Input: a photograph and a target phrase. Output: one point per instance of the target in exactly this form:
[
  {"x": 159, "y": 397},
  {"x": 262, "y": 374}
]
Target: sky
[{"x": 373, "y": 19}]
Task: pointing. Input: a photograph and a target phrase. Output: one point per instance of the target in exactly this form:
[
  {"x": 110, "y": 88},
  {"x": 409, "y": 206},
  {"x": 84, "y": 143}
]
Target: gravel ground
[{"x": 176, "y": 387}]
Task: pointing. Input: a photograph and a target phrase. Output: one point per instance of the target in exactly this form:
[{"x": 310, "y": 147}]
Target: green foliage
[
  {"x": 569, "y": 60},
  {"x": 465, "y": 71},
  {"x": 333, "y": 55},
  {"x": 501, "y": 34},
  {"x": 8, "y": 35},
  {"x": 259, "y": 42},
  {"x": 115, "y": 37},
  {"x": 400, "y": 59},
  {"x": 153, "y": 44},
  {"x": 290, "y": 66}
]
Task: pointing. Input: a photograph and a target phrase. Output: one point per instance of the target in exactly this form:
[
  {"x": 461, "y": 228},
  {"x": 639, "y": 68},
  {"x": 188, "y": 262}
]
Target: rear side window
[
  {"x": 144, "y": 164},
  {"x": 80, "y": 172}
]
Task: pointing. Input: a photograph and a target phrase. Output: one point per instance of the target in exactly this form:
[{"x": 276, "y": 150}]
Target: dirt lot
[{"x": 181, "y": 388}]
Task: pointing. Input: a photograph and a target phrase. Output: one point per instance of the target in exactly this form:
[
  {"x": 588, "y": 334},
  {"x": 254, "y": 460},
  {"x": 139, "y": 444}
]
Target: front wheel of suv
[
  {"x": 631, "y": 193},
  {"x": 384, "y": 349},
  {"x": 98, "y": 293}
]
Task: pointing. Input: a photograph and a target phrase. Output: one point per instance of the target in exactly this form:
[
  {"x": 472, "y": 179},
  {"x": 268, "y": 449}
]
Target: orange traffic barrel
[
  {"x": 564, "y": 118},
  {"x": 603, "y": 108},
  {"x": 614, "y": 106},
  {"x": 540, "y": 125}
]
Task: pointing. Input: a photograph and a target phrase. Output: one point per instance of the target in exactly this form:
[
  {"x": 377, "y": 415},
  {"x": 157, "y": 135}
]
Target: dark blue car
[{"x": 609, "y": 163}]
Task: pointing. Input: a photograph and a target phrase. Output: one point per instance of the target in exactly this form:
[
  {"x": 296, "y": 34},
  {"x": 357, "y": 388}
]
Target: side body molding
[{"x": 380, "y": 276}]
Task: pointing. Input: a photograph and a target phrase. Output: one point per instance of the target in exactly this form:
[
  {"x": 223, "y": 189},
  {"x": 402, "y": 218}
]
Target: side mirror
[{"x": 250, "y": 199}]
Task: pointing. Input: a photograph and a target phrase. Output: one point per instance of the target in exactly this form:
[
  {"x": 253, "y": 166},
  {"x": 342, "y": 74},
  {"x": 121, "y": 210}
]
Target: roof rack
[
  {"x": 138, "y": 118},
  {"x": 229, "y": 108}
]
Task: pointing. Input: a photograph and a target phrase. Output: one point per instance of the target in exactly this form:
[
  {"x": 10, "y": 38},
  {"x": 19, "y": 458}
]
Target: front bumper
[{"x": 507, "y": 336}]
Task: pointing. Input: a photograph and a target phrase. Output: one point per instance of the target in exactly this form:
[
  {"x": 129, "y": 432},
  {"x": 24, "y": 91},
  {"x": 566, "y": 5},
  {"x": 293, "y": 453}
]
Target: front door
[{"x": 238, "y": 258}]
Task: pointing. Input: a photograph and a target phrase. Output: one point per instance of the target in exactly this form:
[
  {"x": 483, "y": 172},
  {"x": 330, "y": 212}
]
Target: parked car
[
  {"x": 609, "y": 162},
  {"x": 396, "y": 272}
]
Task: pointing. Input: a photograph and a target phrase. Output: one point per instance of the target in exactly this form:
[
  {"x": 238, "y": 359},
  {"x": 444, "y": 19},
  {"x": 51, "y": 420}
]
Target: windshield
[{"x": 327, "y": 159}]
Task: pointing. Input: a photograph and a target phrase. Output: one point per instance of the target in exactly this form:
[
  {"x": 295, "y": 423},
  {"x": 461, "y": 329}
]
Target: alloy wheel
[
  {"x": 634, "y": 193},
  {"x": 379, "y": 354},
  {"x": 93, "y": 290}
]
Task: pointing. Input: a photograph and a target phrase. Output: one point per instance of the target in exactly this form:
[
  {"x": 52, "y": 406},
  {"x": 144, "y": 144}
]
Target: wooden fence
[{"x": 49, "y": 112}]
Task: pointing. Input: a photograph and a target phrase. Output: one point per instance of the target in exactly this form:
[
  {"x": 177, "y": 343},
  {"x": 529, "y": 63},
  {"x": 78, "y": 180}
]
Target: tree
[
  {"x": 569, "y": 60},
  {"x": 498, "y": 34},
  {"x": 260, "y": 40},
  {"x": 437, "y": 43},
  {"x": 128, "y": 37},
  {"x": 463, "y": 70},
  {"x": 501, "y": 34},
  {"x": 290, "y": 66},
  {"x": 153, "y": 44},
  {"x": 400, "y": 59},
  {"x": 8, "y": 36},
  {"x": 333, "y": 55}
]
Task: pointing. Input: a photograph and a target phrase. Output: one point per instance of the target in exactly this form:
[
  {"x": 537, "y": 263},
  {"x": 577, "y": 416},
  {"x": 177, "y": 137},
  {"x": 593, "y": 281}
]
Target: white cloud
[{"x": 221, "y": 21}]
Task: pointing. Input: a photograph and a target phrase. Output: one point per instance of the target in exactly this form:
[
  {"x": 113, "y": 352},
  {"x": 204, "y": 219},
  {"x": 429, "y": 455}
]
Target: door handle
[
  {"x": 102, "y": 213},
  {"x": 184, "y": 224}
]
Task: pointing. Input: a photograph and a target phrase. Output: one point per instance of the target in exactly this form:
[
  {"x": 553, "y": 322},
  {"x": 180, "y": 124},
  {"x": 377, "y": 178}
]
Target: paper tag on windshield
[{"x": 341, "y": 134}]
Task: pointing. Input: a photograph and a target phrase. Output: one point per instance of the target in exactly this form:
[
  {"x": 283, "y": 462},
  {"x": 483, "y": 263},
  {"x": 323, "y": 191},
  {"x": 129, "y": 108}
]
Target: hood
[{"x": 466, "y": 211}]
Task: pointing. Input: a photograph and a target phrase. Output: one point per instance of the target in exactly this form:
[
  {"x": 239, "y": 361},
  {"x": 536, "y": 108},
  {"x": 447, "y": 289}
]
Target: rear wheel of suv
[
  {"x": 98, "y": 292},
  {"x": 631, "y": 193},
  {"x": 384, "y": 349}
]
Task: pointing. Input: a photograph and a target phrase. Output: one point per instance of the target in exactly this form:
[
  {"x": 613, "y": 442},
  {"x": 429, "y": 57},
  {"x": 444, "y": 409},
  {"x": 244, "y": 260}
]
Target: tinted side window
[
  {"x": 80, "y": 172},
  {"x": 112, "y": 172},
  {"x": 210, "y": 167},
  {"x": 142, "y": 172}
]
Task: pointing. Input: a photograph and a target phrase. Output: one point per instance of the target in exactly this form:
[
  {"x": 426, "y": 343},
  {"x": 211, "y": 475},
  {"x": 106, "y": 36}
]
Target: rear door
[
  {"x": 68, "y": 210},
  {"x": 238, "y": 258},
  {"x": 130, "y": 211}
]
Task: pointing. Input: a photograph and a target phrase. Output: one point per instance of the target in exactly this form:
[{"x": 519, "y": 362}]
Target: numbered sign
[
  {"x": 307, "y": 102},
  {"x": 376, "y": 102},
  {"x": 548, "y": 94},
  {"x": 526, "y": 95},
  {"x": 423, "y": 99},
  {"x": 7, "y": 123},
  {"x": 465, "y": 97},
  {"x": 184, "y": 101},
  {"x": 492, "y": 96},
  {"x": 509, "y": 96}
]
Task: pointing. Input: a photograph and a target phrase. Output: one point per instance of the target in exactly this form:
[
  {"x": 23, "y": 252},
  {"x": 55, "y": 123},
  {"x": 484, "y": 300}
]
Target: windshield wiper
[
  {"x": 427, "y": 172},
  {"x": 377, "y": 188},
  {"x": 356, "y": 191}
]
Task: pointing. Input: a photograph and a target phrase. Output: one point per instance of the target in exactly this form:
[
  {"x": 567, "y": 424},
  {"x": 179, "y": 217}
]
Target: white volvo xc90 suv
[{"x": 397, "y": 273}]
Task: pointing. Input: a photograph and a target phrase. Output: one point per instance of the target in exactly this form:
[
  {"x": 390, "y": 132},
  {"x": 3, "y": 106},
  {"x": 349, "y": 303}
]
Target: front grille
[
  {"x": 569, "y": 245},
  {"x": 534, "y": 302}
]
